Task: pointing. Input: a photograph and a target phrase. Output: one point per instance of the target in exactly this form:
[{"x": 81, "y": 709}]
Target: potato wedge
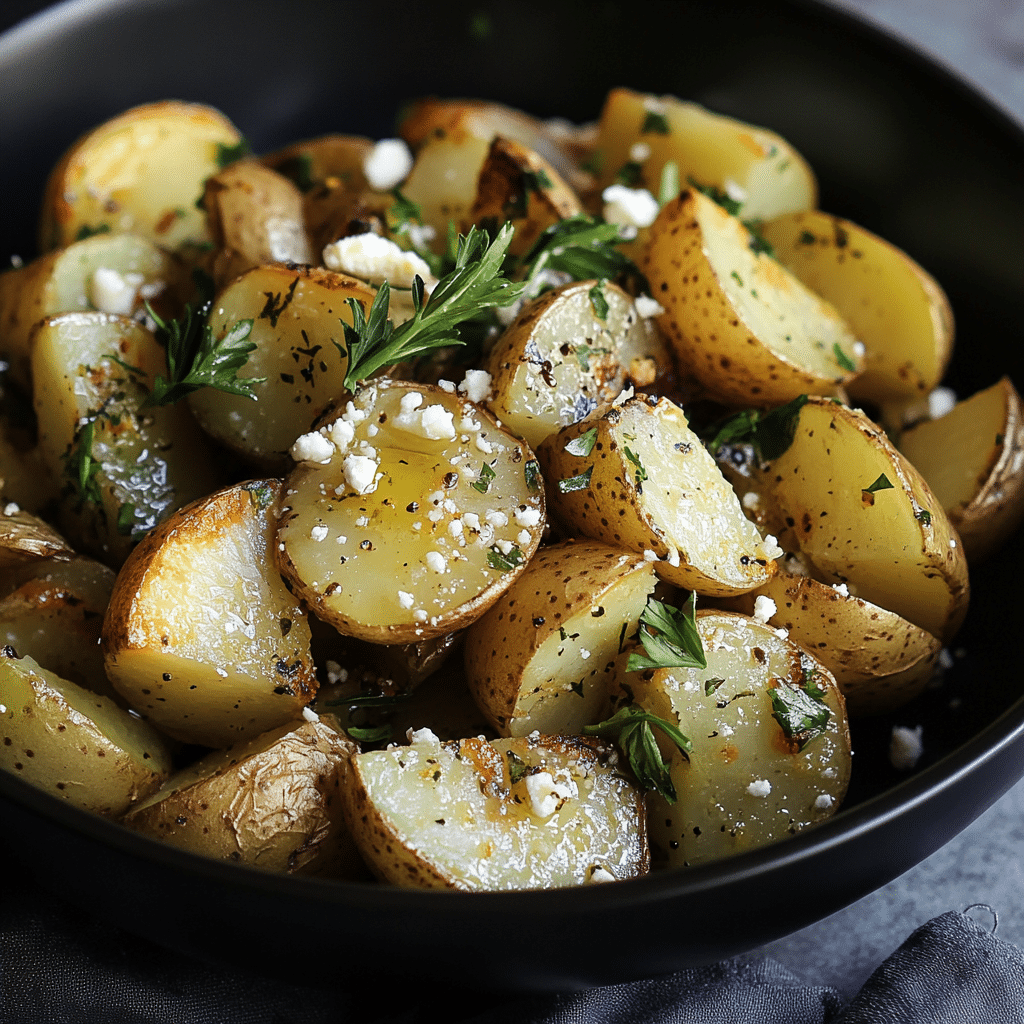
[
  {"x": 74, "y": 744},
  {"x": 528, "y": 813},
  {"x": 771, "y": 745},
  {"x": 861, "y": 514},
  {"x": 893, "y": 305},
  {"x": 296, "y": 314},
  {"x": 638, "y": 478},
  {"x": 543, "y": 657},
  {"x": 139, "y": 173},
  {"x": 745, "y": 327},
  {"x": 755, "y": 167},
  {"x": 410, "y": 514},
  {"x": 255, "y": 216},
  {"x": 879, "y": 659},
  {"x": 271, "y": 802},
  {"x": 973, "y": 460},
  {"x": 25, "y": 537},
  {"x": 201, "y": 635},
  {"x": 559, "y": 361}
]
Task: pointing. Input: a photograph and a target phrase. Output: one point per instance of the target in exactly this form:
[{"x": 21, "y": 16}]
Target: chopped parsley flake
[
  {"x": 583, "y": 445},
  {"x": 576, "y": 483}
]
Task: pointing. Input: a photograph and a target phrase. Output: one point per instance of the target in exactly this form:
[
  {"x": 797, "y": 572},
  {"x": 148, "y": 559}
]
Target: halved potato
[
  {"x": 543, "y": 657},
  {"x": 892, "y": 304},
  {"x": 861, "y": 514},
  {"x": 202, "y": 636},
  {"x": 638, "y": 478},
  {"x": 755, "y": 167},
  {"x": 528, "y": 813},
  {"x": 271, "y": 802},
  {"x": 25, "y": 537},
  {"x": 74, "y": 744},
  {"x": 140, "y": 173},
  {"x": 297, "y": 315},
  {"x": 879, "y": 659},
  {"x": 745, "y": 327},
  {"x": 255, "y": 216},
  {"x": 410, "y": 513},
  {"x": 771, "y": 745},
  {"x": 559, "y": 361},
  {"x": 973, "y": 460}
]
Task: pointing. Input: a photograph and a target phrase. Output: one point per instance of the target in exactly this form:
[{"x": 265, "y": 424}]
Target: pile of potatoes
[{"x": 366, "y": 633}]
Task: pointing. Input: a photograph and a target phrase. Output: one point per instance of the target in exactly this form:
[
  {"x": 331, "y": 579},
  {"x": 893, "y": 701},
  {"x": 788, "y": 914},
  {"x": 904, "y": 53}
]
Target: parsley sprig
[
  {"x": 771, "y": 433},
  {"x": 669, "y": 637},
  {"x": 630, "y": 728},
  {"x": 800, "y": 710},
  {"x": 476, "y": 283}
]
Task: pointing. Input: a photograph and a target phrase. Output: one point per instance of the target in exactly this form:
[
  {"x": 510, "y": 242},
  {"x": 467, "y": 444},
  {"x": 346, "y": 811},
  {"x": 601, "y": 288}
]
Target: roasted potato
[{"x": 528, "y": 813}]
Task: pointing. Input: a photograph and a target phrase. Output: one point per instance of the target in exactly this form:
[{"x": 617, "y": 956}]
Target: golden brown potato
[
  {"x": 892, "y": 305},
  {"x": 973, "y": 460},
  {"x": 543, "y": 657},
  {"x": 139, "y": 173},
  {"x": 27, "y": 538},
  {"x": 74, "y": 744},
  {"x": 527, "y": 813},
  {"x": 271, "y": 802},
  {"x": 745, "y": 327},
  {"x": 201, "y": 635},
  {"x": 638, "y": 478}
]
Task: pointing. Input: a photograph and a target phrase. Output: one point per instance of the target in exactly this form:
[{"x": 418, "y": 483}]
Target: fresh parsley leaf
[
  {"x": 584, "y": 352},
  {"x": 640, "y": 474},
  {"x": 923, "y": 516},
  {"x": 881, "y": 484},
  {"x": 630, "y": 728},
  {"x": 576, "y": 483},
  {"x": 230, "y": 154},
  {"x": 476, "y": 283},
  {"x": 531, "y": 473},
  {"x": 844, "y": 361},
  {"x": 802, "y": 716},
  {"x": 669, "y": 637},
  {"x": 598, "y": 301},
  {"x": 758, "y": 243},
  {"x": 498, "y": 559},
  {"x": 630, "y": 174},
  {"x": 656, "y": 123},
  {"x": 81, "y": 467},
  {"x": 370, "y": 734},
  {"x": 711, "y": 685},
  {"x": 483, "y": 482},
  {"x": 583, "y": 445},
  {"x": 771, "y": 433},
  {"x": 518, "y": 769},
  {"x": 403, "y": 211}
]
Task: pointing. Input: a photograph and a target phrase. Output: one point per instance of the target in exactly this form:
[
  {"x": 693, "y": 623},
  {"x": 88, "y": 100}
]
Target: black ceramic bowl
[{"x": 899, "y": 145}]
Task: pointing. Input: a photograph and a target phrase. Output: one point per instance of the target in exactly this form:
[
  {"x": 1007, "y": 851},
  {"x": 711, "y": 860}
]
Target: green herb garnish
[
  {"x": 81, "y": 467},
  {"x": 771, "y": 433},
  {"x": 800, "y": 711},
  {"x": 656, "y": 123},
  {"x": 583, "y": 445},
  {"x": 518, "y": 769},
  {"x": 483, "y": 482},
  {"x": 923, "y": 516},
  {"x": 576, "y": 483},
  {"x": 370, "y": 734},
  {"x": 504, "y": 561},
  {"x": 584, "y": 352},
  {"x": 881, "y": 484},
  {"x": 531, "y": 473},
  {"x": 712, "y": 685},
  {"x": 230, "y": 154},
  {"x": 640, "y": 474},
  {"x": 669, "y": 637},
  {"x": 598, "y": 301},
  {"x": 844, "y": 361}
]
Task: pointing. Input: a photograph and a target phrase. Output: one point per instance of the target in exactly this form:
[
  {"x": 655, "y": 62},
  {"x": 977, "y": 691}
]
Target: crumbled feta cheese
[
  {"x": 436, "y": 561},
  {"x": 823, "y": 802},
  {"x": 476, "y": 385},
  {"x": 11, "y": 508},
  {"x": 360, "y": 473},
  {"x": 423, "y": 736},
  {"x": 599, "y": 875},
  {"x": 3, "y": 709},
  {"x": 639, "y": 152},
  {"x": 547, "y": 793},
  {"x": 388, "y": 164},
  {"x": 735, "y": 191},
  {"x": 941, "y": 401},
  {"x": 795, "y": 566},
  {"x": 484, "y": 446},
  {"x": 771, "y": 547},
  {"x": 110, "y": 292},
  {"x": 751, "y": 500},
  {"x": 630, "y": 208},
  {"x": 496, "y": 518},
  {"x": 764, "y": 608},
  {"x": 655, "y": 105},
  {"x": 584, "y": 654},
  {"x": 310, "y": 715},
  {"x": 447, "y": 385},
  {"x": 841, "y": 589},
  {"x": 859, "y": 349},
  {"x": 905, "y": 747},
  {"x": 318, "y": 533},
  {"x": 376, "y": 259},
  {"x": 404, "y": 599},
  {"x": 527, "y": 516},
  {"x": 335, "y": 673},
  {"x": 524, "y": 537},
  {"x": 312, "y": 447},
  {"x": 650, "y": 556},
  {"x": 647, "y": 307},
  {"x": 759, "y": 787},
  {"x": 342, "y": 432},
  {"x": 437, "y": 423}
]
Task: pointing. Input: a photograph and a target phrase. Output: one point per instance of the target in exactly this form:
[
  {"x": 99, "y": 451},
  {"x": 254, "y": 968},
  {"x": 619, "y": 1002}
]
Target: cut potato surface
[
  {"x": 297, "y": 315},
  {"x": 640, "y": 479},
  {"x": 745, "y": 327},
  {"x": 140, "y": 173},
  {"x": 861, "y": 514},
  {"x": 559, "y": 361},
  {"x": 879, "y": 659},
  {"x": 973, "y": 460},
  {"x": 543, "y": 657},
  {"x": 892, "y": 305},
  {"x": 526, "y": 813},
  {"x": 409, "y": 515},
  {"x": 271, "y": 802},
  {"x": 74, "y": 744},
  {"x": 755, "y": 167},
  {"x": 201, "y": 635},
  {"x": 762, "y": 767}
]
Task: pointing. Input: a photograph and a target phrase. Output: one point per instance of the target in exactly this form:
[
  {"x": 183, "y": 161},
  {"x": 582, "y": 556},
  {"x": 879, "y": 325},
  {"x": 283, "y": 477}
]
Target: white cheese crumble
[
  {"x": 313, "y": 447},
  {"x": 318, "y": 533},
  {"x": 795, "y": 566},
  {"x": 941, "y": 401},
  {"x": 3, "y": 709},
  {"x": 623, "y": 396},
  {"x": 376, "y": 259},
  {"x": 650, "y": 556},
  {"x": 771, "y": 547},
  {"x": 647, "y": 307},
  {"x": 496, "y": 518},
  {"x": 639, "y": 152},
  {"x": 630, "y": 208},
  {"x": 388, "y": 164},
  {"x": 599, "y": 875},
  {"x": 735, "y": 191},
  {"x": 584, "y": 654},
  {"x": 764, "y": 608},
  {"x": 524, "y": 537},
  {"x": 335, "y": 673},
  {"x": 759, "y": 787},
  {"x": 111, "y": 292},
  {"x": 526, "y": 516},
  {"x": 476, "y": 385},
  {"x": 11, "y": 508},
  {"x": 859, "y": 349},
  {"x": 436, "y": 561},
  {"x": 310, "y": 715},
  {"x": 404, "y": 599},
  {"x": 751, "y": 500},
  {"x": 823, "y": 802},
  {"x": 447, "y": 385},
  {"x": 424, "y": 737},
  {"x": 360, "y": 473},
  {"x": 905, "y": 747},
  {"x": 547, "y": 793},
  {"x": 841, "y": 589},
  {"x": 342, "y": 432}
]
